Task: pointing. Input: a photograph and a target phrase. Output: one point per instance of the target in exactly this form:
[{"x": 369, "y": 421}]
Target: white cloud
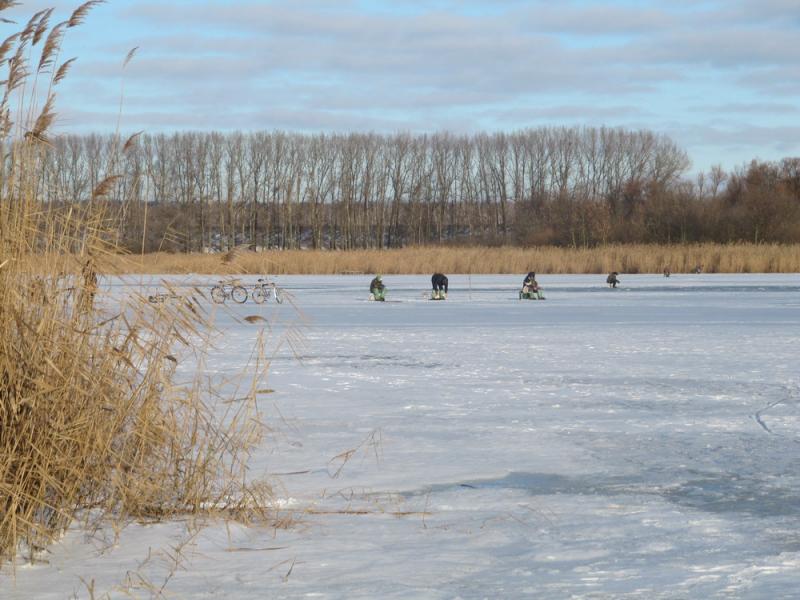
[{"x": 434, "y": 64}]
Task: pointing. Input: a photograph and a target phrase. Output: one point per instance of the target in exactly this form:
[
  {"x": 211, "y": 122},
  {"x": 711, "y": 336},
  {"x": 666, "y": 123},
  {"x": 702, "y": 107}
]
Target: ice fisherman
[
  {"x": 377, "y": 289},
  {"x": 612, "y": 279},
  {"x": 531, "y": 286},
  {"x": 439, "y": 285}
]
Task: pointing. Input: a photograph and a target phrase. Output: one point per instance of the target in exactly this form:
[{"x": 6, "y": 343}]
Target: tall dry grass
[
  {"x": 93, "y": 424},
  {"x": 714, "y": 258}
]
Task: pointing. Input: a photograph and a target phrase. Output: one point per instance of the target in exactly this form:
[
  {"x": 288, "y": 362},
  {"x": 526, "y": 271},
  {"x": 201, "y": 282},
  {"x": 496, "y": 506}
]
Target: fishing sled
[{"x": 531, "y": 295}]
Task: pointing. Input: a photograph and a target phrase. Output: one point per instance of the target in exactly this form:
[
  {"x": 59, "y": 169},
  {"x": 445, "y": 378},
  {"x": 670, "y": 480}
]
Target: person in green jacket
[
  {"x": 377, "y": 289},
  {"x": 530, "y": 288}
]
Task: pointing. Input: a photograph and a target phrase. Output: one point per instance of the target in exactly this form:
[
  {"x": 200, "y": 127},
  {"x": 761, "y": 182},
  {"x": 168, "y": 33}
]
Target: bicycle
[
  {"x": 223, "y": 291},
  {"x": 265, "y": 289}
]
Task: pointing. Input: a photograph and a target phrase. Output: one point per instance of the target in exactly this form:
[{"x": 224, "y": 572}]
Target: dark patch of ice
[
  {"x": 712, "y": 492},
  {"x": 730, "y": 493}
]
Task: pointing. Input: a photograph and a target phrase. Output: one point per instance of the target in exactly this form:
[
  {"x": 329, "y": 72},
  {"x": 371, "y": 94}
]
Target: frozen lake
[{"x": 641, "y": 442}]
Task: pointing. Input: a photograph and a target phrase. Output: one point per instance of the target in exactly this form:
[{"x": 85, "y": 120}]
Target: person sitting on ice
[
  {"x": 439, "y": 285},
  {"x": 530, "y": 287},
  {"x": 667, "y": 272},
  {"x": 377, "y": 289},
  {"x": 612, "y": 279}
]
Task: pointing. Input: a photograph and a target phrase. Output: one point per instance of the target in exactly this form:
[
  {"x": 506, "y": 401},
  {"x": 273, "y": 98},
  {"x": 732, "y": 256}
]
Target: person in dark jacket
[
  {"x": 530, "y": 278},
  {"x": 530, "y": 287},
  {"x": 377, "y": 289},
  {"x": 439, "y": 285},
  {"x": 612, "y": 279}
]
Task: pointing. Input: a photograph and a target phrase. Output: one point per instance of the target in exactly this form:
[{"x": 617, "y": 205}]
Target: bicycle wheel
[
  {"x": 218, "y": 294},
  {"x": 258, "y": 295},
  {"x": 239, "y": 294}
]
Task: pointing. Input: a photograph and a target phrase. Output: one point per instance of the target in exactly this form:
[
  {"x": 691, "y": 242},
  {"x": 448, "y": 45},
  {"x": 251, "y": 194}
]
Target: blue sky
[{"x": 722, "y": 78}]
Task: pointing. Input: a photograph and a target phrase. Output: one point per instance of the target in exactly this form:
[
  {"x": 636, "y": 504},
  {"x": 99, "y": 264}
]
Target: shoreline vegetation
[
  {"x": 98, "y": 427},
  {"x": 631, "y": 259}
]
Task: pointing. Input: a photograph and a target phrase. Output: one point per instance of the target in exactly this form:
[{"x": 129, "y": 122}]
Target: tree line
[{"x": 548, "y": 186}]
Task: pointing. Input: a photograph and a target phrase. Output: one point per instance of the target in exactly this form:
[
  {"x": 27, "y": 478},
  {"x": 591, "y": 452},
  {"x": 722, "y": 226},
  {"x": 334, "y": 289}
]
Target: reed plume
[
  {"x": 5, "y": 4},
  {"x": 130, "y": 143},
  {"x": 62, "y": 71},
  {"x": 104, "y": 187},
  {"x": 80, "y": 13},
  {"x": 7, "y": 44},
  {"x": 129, "y": 56},
  {"x": 30, "y": 28},
  {"x": 42, "y": 26},
  {"x": 44, "y": 120},
  {"x": 17, "y": 70},
  {"x": 51, "y": 46}
]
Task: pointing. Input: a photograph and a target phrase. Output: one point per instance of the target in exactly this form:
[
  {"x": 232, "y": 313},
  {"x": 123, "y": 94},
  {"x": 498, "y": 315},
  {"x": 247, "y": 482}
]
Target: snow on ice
[{"x": 640, "y": 442}]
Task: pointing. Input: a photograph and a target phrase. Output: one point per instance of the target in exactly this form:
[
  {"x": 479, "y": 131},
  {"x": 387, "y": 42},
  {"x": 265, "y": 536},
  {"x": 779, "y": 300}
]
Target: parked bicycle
[
  {"x": 222, "y": 291},
  {"x": 264, "y": 290}
]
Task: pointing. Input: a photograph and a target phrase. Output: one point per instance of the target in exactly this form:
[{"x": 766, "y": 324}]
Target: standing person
[
  {"x": 439, "y": 285},
  {"x": 530, "y": 287},
  {"x": 612, "y": 279},
  {"x": 666, "y": 271},
  {"x": 377, "y": 289}
]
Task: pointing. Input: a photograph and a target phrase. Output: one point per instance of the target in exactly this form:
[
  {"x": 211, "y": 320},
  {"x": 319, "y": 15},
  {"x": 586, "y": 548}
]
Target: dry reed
[
  {"x": 92, "y": 422},
  {"x": 713, "y": 258}
]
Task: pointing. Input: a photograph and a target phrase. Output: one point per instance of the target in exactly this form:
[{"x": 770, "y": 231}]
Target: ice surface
[{"x": 640, "y": 442}]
